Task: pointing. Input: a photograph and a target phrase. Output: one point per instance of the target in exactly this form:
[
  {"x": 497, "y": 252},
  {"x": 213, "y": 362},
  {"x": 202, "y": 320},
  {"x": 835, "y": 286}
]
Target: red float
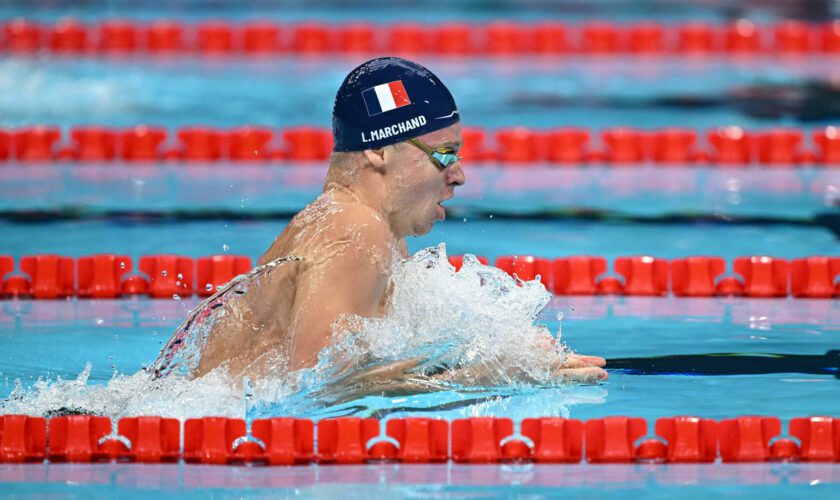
[
  {"x": 216, "y": 271},
  {"x": 577, "y": 275},
  {"x": 142, "y": 143},
  {"x": 5, "y": 145},
  {"x": 262, "y": 38},
  {"x": 7, "y": 265},
  {"x": 550, "y": 38},
  {"x": 643, "y": 275},
  {"x": 250, "y": 143},
  {"x": 421, "y": 440},
  {"x": 696, "y": 38},
  {"x": 153, "y": 439},
  {"x": 76, "y": 438},
  {"x": 763, "y": 276},
  {"x": 344, "y": 440},
  {"x": 612, "y": 439},
  {"x": 820, "y": 438},
  {"x": 742, "y": 37},
  {"x": 747, "y": 439},
  {"x": 478, "y": 439},
  {"x": 357, "y": 38},
  {"x": 453, "y": 39},
  {"x": 610, "y": 285},
  {"x": 288, "y": 441},
  {"x": 210, "y": 440},
  {"x": 729, "y": 286},
  {"x": 526, "y": 268},
  {"x": 600, "y": 38},
  {"x": 311, "y": 38},
  {"x": 473, "y": 147},
  {"x": 93, "y": 144},
  {"x": 35, "y": 144},
  {"x": 830, "y": 37},
  {"x": 647, "y": 38},
  {"x": 814, "y": 277},
  {"x": 695, "y": 276},
  {"x": 556, "y": 440},
  {"x": 69, "y": 36},
  {"x": 780, "y": 147},
  {"x": 214, "y": 37},
  {"x": 118, "y": 37},
  {"x": 51, "y": 276},
  {"x": 407, "y": 38},
  {"x": 503, "y": 38},
  {"x": 169, "y": 275},
  {"x": 690, "y": 439},
  {"x": 793, "y": 37},
  {"x": 732, "y": 146},
  {"x": 100, "y": 276},
  {"x": 22, "y": 438},
  {"x": 23, "y": 36},
  {"x": 165, "y": 37},
  {"x": 200, "y": 144},
  {"x": 518, "y": 145},
  {"x": 624, "y": 145},
  {"x": 568, "y": 145},
  {"x": 674, "y": 145},
  {"x": 308, "y": 143},
  {"x": 651, "y": 450},
  {"x": 784, "y": 450}
]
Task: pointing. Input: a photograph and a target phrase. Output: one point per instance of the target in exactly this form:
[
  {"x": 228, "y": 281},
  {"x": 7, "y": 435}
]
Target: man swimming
[{"x": 396, "y": 133}]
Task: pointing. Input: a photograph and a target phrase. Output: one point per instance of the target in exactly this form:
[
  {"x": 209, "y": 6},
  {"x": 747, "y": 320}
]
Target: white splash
[{"x": 446, "y": 322}]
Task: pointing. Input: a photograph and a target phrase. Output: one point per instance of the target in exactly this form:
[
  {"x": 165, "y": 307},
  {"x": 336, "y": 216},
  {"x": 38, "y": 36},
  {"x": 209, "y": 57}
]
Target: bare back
[{"x": 328, "y": 253}]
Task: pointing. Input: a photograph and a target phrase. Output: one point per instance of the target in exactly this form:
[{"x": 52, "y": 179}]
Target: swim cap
[{"x": 388, "y": 100}]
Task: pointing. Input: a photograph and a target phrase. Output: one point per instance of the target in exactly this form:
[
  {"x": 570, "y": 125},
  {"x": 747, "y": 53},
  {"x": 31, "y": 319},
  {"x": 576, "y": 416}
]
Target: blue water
[
  {"x": 539, "y": 92},
  {"x": 384, "y": 11},
  {"x": 668, "y": 212}
]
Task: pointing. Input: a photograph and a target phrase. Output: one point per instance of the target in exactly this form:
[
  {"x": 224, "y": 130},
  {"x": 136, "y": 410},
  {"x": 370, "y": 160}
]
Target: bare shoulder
[
  {"x": 354, "y": 225},
  {"x": 327, "y": 228},
  {"x": 326, "y": 223}
]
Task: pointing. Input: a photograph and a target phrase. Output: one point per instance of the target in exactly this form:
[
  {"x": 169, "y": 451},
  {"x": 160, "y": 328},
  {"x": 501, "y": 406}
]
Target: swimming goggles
[{"x": 442, "y": 157}]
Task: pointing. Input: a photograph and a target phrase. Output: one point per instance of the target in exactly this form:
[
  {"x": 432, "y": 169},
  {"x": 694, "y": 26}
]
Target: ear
[{"x": 376, "y": 158}]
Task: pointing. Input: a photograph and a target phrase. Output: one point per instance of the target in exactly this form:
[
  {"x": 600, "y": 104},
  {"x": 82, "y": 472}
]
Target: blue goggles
[{"x": 441, "y": 157}]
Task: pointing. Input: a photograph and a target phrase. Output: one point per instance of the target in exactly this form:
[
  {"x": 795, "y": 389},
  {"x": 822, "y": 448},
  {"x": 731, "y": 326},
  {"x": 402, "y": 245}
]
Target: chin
[{"x": 420, "y": 231}]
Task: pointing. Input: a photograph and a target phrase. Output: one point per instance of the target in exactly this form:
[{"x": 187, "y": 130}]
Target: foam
[{"x": 440, "y": 324}]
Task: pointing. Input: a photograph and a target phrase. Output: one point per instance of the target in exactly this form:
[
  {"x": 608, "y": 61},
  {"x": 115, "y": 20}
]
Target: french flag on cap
[{"x": 385, "y": 97}]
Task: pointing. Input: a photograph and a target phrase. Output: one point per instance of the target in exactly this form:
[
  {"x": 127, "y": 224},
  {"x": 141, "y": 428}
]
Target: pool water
[{"x": 709, "y": 357}]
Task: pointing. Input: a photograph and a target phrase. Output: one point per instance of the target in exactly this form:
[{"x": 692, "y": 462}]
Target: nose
[{"x": 455, "y": 175}]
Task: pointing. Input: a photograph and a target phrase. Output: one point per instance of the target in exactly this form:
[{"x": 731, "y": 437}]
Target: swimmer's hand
[
  {"x": 574, "y": 368},
  {"x": 578, "y": 368}
]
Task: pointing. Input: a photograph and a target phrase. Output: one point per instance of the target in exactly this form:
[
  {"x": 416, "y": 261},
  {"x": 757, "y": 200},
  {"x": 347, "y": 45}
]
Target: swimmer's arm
[
  {"x": 574, "y": 368},
  {"x": 351, "y": 280}
]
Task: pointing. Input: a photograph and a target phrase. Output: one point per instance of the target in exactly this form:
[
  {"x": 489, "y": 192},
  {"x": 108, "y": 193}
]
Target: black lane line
[{"x": 730, "y": 364}]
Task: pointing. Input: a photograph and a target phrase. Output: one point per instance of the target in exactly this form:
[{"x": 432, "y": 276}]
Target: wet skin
[{"x": 346, "y": 240}]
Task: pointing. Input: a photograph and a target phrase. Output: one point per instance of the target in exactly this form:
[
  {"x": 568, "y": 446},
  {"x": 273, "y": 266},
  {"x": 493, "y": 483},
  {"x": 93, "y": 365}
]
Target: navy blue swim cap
[{"x": 388, "y": 100}]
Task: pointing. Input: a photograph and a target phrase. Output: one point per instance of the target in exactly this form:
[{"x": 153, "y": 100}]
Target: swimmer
[{"x": 395, "y": 162}]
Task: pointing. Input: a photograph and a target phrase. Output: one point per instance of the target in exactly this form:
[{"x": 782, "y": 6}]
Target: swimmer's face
[{"x": 416, "y": 187}]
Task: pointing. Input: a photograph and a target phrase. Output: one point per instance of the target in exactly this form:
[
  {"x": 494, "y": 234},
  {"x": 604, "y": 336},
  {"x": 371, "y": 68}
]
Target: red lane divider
[
  {"x": 77, "y": 438},
  {"x": 22, "y": 438},
  {"x": 173, "y": 276},
  {"x": 345, "y": 440},
  {"x": 351, "y": 440},
  {"x": 599, "y": 38},
  {"x": 556, "y": 440},
  {"x": 420, "y": 440},
  {"x": 515, "y": 147},
  {"x": 479, "y": 439}
]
